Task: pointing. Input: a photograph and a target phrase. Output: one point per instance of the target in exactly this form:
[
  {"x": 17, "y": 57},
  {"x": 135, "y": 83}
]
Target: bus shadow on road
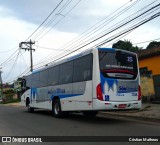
[
  {"x": 98, "y": 119},
  {"x": 78, "y": 117}
]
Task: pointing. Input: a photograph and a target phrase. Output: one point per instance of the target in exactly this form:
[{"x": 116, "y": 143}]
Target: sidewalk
[{"x": 148, "y": 111}]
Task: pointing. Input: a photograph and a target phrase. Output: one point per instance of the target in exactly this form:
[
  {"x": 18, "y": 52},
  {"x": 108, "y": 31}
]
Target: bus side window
[
  {"x": 53, "y": 75},
  {"x": 86, "y": 75},
  {"x": 66, "y": 73},
  {"x": 83, "y": 68}
]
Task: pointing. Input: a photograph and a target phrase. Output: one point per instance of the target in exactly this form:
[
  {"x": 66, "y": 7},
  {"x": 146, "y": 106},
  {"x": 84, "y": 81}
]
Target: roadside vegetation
[{"x": 9, "y": 96}]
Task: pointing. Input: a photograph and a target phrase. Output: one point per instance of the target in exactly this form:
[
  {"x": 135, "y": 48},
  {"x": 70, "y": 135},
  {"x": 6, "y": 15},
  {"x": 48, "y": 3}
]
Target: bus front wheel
[
  {"x": 30, "y": 109},
  {"x": 56, "y": 109}
]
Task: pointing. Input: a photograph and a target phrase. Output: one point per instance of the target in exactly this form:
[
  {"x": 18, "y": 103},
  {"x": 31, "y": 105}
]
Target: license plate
[{"x": 122, "y": 106}]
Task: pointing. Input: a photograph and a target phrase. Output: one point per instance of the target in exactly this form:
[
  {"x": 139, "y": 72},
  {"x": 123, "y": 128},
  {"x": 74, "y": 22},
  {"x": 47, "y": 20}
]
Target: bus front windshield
[{"x": 118, "y": 64}]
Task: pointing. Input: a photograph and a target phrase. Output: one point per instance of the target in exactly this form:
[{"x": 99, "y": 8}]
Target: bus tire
[
  {"x": 30, "y": 109},
  {"x": 90, "y": 113},
  {"x": 27, "y": 101},
  {"x": 56, "y": 109}
]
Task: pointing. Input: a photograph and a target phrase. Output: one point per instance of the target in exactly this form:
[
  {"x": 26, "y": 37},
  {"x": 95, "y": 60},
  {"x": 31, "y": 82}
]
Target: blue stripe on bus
[
  {"x": 62, "y": 96},
  {"x": 36, "y": 71},
  {"x": 110, "y": 49},
  {"x": 109, "y": 81}
]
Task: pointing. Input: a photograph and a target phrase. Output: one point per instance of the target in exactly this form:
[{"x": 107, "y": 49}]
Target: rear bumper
[{"x": 108, "y": 105}]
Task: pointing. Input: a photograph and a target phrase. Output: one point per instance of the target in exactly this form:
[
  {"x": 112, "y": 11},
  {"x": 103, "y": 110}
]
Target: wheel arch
[{"x": 54, "y": 98}]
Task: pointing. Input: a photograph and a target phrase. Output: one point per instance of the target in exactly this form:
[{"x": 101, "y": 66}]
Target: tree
[
  {"x": 125, "y": 45},
  {"x": 153, "y": 44}
]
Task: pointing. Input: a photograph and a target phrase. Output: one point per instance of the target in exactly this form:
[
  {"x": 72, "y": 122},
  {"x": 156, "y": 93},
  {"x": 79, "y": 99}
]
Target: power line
[
  {"x": 131, "y": 31},
  {"x": 67, "y": 50},
  {"x": 9, "y": 58},
  {"x": 122, "y": 33},
  {"x": 45, "y": 19},
  {"x": 27, "y": 71},
  {"x": 59, "y": 20},
  {"x": 91, "y": 30},
  {"x": 95, "y": 38},
  {"x": 53, "y": 19},
  {"x": 132, "y": 19},
  {"x": 101, "y": 35},
  {"x": 88, "y": 33},
  {"x": 61, "y": 11},
  {"x": 23, "y": 59},
  {"x": 131, "y": 28},
  {"x": 146, "y": 41},
  {"x": 13, "y": 67},
  {"x": 114, "y": 36},
  {"x": 112, "y": 30},
  {"x": 49, "y": 16},
  {"x": 8, "y": 50},
  {"x": 117, "y": 39}
]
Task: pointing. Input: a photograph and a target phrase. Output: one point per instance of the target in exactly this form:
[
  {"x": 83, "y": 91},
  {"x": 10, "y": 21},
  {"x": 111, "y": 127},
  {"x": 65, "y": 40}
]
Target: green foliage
[
  {"x": 10, "y": 101},
  {"x": 153, "y": 44},
  {"x": 8, "y": 94},
  {"x": 125, "y": 45}
]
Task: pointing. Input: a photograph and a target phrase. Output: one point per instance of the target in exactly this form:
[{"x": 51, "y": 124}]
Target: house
[{"x": 149, "y": 65}]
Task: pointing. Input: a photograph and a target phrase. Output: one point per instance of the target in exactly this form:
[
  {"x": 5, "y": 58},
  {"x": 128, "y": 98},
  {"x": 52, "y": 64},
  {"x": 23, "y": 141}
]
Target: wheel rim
[{"x": 56, "y": 108}]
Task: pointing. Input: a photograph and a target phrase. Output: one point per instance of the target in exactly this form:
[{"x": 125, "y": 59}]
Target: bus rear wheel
[{"x": 56, "y": 109}]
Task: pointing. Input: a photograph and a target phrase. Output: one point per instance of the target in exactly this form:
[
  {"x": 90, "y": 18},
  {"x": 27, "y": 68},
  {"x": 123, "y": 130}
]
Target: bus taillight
[
  {"x": 139, "y": 93},
  {"x": 99, "y": 92}
]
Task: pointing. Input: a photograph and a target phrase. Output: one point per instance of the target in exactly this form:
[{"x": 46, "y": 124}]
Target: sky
[{"x": 20, "y": 18}]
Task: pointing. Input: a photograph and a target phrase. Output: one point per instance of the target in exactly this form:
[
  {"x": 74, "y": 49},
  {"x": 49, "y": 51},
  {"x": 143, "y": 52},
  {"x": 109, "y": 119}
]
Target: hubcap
[{"x": 56, "y": 108}]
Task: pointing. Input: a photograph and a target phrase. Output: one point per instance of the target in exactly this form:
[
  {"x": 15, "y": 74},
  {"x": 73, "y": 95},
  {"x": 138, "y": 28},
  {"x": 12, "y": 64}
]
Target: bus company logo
[
  {"x": 110, "y": 87},
  {"x": 124, "y": 89}
]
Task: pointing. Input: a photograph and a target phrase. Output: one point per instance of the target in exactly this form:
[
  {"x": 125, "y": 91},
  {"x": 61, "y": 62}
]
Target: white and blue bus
[{"x": 94, "y": 80}]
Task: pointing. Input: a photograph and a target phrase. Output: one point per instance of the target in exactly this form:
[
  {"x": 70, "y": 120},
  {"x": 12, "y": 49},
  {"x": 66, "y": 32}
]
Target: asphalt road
[{"x": 16, "y": 121}]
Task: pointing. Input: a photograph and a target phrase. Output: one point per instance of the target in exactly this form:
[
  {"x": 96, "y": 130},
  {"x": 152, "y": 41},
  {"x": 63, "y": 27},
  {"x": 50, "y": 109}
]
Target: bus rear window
[{"x": 118, "y": 64}]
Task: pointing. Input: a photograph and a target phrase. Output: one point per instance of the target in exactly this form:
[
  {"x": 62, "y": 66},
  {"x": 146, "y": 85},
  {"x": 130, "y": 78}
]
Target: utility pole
[
  {"x": 28, "y": 47},
  {"x": 1, "y": 84}
]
